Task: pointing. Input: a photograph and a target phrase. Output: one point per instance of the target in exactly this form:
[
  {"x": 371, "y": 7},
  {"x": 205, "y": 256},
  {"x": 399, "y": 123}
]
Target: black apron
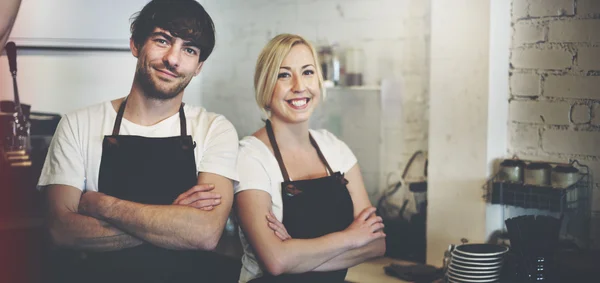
[
  {"x": 149, "y": 171},
  {"x": 311, "y": 209}
]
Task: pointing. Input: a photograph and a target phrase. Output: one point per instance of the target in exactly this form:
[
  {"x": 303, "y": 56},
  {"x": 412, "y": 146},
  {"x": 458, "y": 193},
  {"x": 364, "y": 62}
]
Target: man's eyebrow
[
  {"x": 160, "y": 33},
  {"x": 191, "y": 44},
  {"x": 186, "y": 43}
]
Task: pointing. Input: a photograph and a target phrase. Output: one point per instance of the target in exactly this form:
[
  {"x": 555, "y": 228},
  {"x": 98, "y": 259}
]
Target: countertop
[{"x": 372, "y": 271}]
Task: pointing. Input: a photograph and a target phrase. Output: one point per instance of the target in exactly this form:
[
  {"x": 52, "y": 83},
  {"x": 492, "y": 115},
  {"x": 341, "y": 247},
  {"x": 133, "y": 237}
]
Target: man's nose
[{"x": 172, "y": 57}]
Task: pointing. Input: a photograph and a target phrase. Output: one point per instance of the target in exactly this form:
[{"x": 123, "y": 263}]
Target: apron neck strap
[
  {"x": 117, "y": 126},
  {"x": 277, "y": 153}
]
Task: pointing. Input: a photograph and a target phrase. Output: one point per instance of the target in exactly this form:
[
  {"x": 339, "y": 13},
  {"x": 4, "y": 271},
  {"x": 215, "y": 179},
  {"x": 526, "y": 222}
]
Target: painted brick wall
[
  {"x": 394, "y": 35},
  {"x": 555, "y": 83}
]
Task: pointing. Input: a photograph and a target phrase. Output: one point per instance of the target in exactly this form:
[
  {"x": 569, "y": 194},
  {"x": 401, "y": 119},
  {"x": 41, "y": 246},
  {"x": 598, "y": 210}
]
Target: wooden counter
[{"x": 372, "y": 271}]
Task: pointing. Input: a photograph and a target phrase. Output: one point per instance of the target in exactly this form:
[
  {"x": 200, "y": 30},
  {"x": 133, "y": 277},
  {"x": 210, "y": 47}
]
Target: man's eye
[
  {"x": 283, "y": 75},
  {"x": 191, "y": 51},
  {"x": 161, "y": 41}
]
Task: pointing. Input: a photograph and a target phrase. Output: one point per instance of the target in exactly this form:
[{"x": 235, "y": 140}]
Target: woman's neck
[{"x": 290, "y": 135}]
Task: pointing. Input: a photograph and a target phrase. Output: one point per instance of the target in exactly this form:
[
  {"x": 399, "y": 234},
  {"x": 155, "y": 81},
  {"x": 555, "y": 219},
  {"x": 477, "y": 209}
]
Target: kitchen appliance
[
  {"x": 15, "y": 135},
  {"x": 534, "y": 241},
  {"x": 24, "y": 140}
]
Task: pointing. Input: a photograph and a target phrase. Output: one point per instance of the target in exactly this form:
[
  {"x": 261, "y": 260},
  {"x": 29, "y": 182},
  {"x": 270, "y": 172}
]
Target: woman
[{"x": 302, "y": 218}]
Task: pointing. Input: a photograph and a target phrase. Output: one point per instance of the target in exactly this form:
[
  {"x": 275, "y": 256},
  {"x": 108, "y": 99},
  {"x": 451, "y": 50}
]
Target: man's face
[{"x": 166, "y": 64}]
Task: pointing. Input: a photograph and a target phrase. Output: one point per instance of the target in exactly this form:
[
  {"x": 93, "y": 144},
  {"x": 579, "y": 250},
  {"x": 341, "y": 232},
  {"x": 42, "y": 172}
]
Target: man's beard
[{"x": 151, "y": 89}]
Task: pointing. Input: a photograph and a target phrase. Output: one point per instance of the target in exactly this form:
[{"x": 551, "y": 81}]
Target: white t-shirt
[
  {"x": 75, "y": 152},
  {"x": 258, "y": 169}
]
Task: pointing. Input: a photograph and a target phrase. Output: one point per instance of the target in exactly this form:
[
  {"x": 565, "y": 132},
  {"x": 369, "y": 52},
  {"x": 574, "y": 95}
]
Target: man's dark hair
[{"x": 185, "y": 19}]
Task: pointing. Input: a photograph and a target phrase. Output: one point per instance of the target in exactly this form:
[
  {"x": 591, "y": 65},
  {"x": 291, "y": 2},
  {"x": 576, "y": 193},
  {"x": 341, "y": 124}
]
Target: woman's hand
[
  {"x": 277, "y": 227},
  {"x": 200, "y": 196},
  {"x": 365, "y": 228}
]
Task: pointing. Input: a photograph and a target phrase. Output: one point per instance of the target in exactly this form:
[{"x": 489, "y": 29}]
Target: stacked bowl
[{"x": 476, "y": 263}]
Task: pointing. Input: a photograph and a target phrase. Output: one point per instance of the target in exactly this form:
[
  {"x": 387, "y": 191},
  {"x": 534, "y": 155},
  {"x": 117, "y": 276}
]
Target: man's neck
[{"x": 146, "y": 111}]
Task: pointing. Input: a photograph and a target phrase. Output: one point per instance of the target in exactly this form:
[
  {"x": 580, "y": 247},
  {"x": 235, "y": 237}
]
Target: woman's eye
[
  {"x": 283, "y": 75},
  {"x": 308, "y": 72}
]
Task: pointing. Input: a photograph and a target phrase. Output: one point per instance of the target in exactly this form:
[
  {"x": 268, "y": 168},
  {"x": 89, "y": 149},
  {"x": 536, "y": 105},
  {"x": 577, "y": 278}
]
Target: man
[
  {"x": 126, "y": 185},
  {"x": 8, "y": 15}
]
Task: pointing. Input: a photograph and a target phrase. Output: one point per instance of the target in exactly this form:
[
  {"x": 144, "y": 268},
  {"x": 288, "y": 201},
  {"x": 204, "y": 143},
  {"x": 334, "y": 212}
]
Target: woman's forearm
[{"x": 355, "y": 256}]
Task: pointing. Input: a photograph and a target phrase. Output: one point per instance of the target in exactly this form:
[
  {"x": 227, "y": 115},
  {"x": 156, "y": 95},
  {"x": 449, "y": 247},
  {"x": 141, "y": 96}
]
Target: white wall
[
  {"x": 555, "y": 76},
  {"x": 63, "y": 81},
  {"x": 394, "y": 35},
  {"x": 467, "y": 130}
]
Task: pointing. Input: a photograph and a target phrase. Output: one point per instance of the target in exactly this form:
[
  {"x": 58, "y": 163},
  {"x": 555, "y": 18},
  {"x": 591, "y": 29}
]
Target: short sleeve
[
  {"x": 220, "y": 150},
  {"x": 64, "y": 164},
  {"x": 252, "y": 173},
  {"x": 348, "y": 159},
  {"x": 338, "y": 154}
]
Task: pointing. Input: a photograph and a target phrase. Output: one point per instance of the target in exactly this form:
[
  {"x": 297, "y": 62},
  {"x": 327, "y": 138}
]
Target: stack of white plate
[{"x": 476, "y": 263}]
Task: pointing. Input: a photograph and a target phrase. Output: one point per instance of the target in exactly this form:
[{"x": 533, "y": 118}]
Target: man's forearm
[
  {"x": 353, "y": 257},
  {"x": 86, "y": 233},
  {"x": 168, "y": 226}
]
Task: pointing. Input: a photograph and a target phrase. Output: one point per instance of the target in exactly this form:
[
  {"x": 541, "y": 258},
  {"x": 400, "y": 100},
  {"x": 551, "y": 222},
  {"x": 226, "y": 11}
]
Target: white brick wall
[
  {"x": 394, "y": 35},
  {"x": 555, "y": 84}
]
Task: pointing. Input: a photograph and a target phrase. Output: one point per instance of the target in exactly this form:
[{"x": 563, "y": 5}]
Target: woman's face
[{"x": 297, "y": 91}]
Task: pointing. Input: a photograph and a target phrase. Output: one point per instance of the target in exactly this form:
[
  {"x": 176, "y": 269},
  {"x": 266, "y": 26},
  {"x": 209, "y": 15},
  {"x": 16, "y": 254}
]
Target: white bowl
[
  {"x": 481, "y": 250},
  {"x": 460, "y": 280},
  {"x": 479, "y": 263},
  {"x": 478, "y": 267},
  {"x": 473, "y": 276},
  {"x": 474, "y": 272},
  {"x": 471, "y": 258}
]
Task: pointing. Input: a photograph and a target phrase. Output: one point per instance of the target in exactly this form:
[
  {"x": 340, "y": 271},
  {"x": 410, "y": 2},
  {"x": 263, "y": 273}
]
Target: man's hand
[
  {"x": 93, "y": 203},
  {"x": 277, "y": 227},
  {"x": 200, "y": 196}
]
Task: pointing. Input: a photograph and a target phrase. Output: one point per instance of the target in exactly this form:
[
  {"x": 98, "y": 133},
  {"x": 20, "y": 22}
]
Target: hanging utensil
[{"x": 16, "y": 143}]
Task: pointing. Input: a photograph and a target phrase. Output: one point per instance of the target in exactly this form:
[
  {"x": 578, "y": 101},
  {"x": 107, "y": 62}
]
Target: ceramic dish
[
  {"x": 456, "y": 281},
  {"x": 460, "y": 280},
  {"x": 461, "y": 275},
  {"x": 479, "y": 263},
  {"x": 476, "y": 267},
  {"x": 481, "y": 250},
  {"x": 471, "y": 258},
  {"x": 475, "y": 272}
]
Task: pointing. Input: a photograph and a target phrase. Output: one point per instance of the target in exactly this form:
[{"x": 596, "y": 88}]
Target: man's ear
[
  {"x": 199, "y": 68},
  {"x": 133, "y": 47}
]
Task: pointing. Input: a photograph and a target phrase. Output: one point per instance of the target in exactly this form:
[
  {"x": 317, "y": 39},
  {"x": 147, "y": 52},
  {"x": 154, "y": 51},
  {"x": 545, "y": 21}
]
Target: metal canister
[
  {"x": 511, "y": 170},
  {"x": 538, "y": 174}
]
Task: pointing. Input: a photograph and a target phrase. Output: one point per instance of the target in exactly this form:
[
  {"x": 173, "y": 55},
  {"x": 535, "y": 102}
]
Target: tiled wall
[
  {"x": 554, "y": 82},
  {"x": 394, "y": 35}
]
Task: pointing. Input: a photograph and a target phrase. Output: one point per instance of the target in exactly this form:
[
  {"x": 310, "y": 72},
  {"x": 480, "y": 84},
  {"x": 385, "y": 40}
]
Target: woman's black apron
[{"x": 311, "y": 209}]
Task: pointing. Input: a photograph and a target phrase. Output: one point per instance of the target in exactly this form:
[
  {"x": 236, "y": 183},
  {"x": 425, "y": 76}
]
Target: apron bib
[{"x": 311, "y": 209}]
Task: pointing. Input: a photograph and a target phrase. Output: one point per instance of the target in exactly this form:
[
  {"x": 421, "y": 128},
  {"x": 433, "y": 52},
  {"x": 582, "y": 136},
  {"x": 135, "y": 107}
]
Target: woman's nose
[{"x": 299, "y": 85}]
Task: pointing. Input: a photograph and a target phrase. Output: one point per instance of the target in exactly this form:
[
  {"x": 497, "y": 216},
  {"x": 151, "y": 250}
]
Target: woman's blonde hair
[{"x": 269, "y": 62}]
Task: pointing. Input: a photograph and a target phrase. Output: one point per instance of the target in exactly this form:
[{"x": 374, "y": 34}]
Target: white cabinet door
[{"x": 75, "y": 23}]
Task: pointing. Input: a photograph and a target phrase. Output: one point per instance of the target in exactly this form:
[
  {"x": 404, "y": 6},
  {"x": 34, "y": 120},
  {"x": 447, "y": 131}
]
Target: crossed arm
[
  {"x": 362, "y": 240},
  {"x": 95, "y": 221}
]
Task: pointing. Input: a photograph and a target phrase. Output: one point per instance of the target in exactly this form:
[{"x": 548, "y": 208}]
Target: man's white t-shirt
[
  {"x": 258, "y": 169},
  {"x": 75, "y": 152}
]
